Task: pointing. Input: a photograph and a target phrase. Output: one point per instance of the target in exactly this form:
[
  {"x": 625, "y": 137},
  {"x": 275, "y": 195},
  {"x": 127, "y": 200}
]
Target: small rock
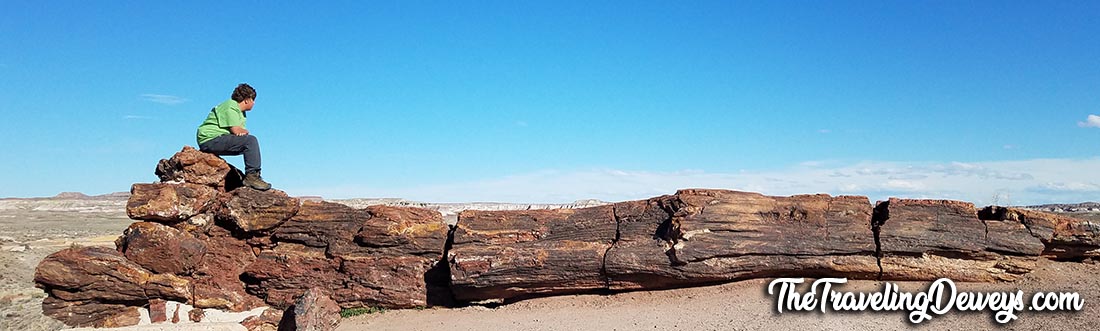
[
  {"x": 269, "y": 320},
  {"x": 196, "y": 315},
  {"x": 158, "y": 311},
  {"x": 176, "y": 315},
  {"x": 20, "y": 248},
  {"x": 315, "y": 311}
]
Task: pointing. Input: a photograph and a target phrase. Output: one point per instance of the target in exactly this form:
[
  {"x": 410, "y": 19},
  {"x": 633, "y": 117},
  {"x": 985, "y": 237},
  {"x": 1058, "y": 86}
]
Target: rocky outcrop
[{"x": 201, "y": 240}]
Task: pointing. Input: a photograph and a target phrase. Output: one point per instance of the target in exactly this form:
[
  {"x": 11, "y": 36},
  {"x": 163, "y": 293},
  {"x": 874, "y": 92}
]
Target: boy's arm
[{"x": 238, "y": 131}]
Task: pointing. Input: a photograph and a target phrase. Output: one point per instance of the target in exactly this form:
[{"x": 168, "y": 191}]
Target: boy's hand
[{"x": 238, "y": 131}]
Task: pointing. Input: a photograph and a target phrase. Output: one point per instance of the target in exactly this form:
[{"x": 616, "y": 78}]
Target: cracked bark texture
[
  {"x": 509, "y": 254},
  {"x": 706, "y": 236},
  {"x": 930, "y": 239},
  {"x": 1064, "y": 238}
]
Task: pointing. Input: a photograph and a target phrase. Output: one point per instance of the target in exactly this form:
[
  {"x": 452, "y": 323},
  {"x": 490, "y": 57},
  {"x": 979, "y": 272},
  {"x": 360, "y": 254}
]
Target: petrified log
[
  {"x": 402, "y": 231},
  {"x": 385, "y": 281},
  {"x": 379, "y": 256},
  {"x": 322, "y": 225},
  {"x": 1064, "y": 238},
  {"x": 707, "y": 236},
  {"x": 103, "y": 274},
  {"x": 91, "y": 313},
  {"x": 217, "y": 278},
  {"x": 283, "y": 274},
  {"x": 192, "y": 166},
  {"x": 253, "y": 210},
  {"x": 165, "y": 202},
  {"x": 929, "y": 239},
  {"x": 160, "y": 248},
  {"x": 240, "y": 249},
  {"x": 505, "y": 254}
]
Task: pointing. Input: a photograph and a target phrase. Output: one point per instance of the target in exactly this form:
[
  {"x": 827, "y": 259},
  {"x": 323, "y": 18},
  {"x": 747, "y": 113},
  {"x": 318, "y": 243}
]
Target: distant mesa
[{"x": 71, "y": 195}]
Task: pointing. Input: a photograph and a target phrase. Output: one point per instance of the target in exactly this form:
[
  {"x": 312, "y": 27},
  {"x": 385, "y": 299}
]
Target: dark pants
[{"x": 236, "y": 145}]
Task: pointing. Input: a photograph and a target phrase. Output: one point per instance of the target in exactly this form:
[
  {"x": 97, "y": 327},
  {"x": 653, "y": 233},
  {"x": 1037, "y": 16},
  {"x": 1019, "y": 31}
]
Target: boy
[{"x": 223, "y": 133}]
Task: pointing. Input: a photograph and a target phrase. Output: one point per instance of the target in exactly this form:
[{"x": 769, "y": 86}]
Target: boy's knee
[{"x": 251, "y": 139}]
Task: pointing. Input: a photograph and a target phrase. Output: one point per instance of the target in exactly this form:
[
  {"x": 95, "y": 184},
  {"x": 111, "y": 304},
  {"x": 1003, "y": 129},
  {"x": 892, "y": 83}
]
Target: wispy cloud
[
  {"x": 136, "y": 117},
  {"x": 1092, "y": 121},
  {"x": 164, "y": 99},
  {"x": 1003, "y": 182}
]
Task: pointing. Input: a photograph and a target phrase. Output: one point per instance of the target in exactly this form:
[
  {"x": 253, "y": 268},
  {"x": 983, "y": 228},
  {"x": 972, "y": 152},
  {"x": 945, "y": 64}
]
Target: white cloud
[
  {"x": 1004, "y": 182},
  {"x": 136, "y": 117},
  {"x": 164, "y": 99},
  {"x": 1092, "y": 121}
]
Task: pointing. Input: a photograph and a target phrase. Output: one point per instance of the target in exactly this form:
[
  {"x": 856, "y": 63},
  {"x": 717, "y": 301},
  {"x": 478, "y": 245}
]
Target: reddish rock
[
  {"x": 403, "y": 231},
  {"x": 165, "y": 202},
  {"x": 323, "y": 224},
  {"x": 158, "y": 311},
  {"x": 707, "y": 236},
  {"x": 930, "y": 239},
  {"x": 217, "y": 278},
  {"x": 176, "y": 314},
  {"x": 269, "y": 320},
  {"x": 92, "y": 273},
  {"x": 1063, "y": 238},
  {"x": 372, "y": 257},
  {"x": 315, "y": 311},
  {"x": 283, "y": 274},
  {"x": 196, "y": 315},
  {"x": 505, "y": 254},
  {"x": 253, "y": 210},
  {"x": 384, "y": 281},
  {"x": 160, "y": 248},
  {"x": 192, "y": 166},
  {"x": 168, "y": 286},
  {"x": 91, "y": 313}
]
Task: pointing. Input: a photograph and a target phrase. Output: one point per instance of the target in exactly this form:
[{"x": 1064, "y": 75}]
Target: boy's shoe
[{"x": 254, "y": 181}]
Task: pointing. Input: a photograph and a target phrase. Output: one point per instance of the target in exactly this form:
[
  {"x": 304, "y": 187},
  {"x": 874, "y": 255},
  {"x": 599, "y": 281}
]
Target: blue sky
[{"x": 984, "y": 101}]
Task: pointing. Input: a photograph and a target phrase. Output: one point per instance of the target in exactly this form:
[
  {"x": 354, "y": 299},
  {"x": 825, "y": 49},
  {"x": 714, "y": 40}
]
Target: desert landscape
[{"x": 32, "y": 228}]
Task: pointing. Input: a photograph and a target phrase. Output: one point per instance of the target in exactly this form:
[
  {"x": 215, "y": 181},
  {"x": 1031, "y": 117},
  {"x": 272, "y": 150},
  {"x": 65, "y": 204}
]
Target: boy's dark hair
[{"x": 244, "y": 92}]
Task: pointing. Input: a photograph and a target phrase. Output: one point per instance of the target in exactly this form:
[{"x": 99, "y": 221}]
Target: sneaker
[{"x": 254, "y": 181}]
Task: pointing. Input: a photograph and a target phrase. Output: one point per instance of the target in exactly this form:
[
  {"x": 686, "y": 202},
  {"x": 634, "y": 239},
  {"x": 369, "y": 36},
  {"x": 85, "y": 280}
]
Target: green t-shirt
[{"x": 222, "y": 117}]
